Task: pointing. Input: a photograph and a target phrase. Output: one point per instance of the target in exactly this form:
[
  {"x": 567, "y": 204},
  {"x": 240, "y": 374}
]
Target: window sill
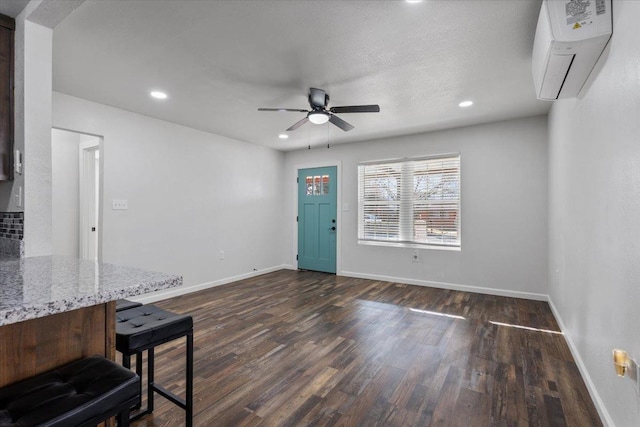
[{"x": 409, "y": 245}]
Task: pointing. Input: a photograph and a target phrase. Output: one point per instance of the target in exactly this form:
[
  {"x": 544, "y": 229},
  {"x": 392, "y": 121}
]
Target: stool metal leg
[
  {"x": 123, "y": 418},
  {"x": 150, "y": 381},
  {"x": 139, "y": 372},
  {"x": 189, "y": 388},
  {"x": 126, "y": 361}
]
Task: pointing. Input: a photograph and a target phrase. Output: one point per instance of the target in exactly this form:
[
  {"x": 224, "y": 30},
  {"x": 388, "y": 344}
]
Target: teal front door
[{"x": 317, "y": 219}]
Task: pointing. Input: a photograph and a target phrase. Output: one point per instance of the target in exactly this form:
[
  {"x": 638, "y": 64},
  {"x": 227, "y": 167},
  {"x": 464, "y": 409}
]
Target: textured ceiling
[
  {"x": 12, "y": 8},
  {"x": 220, "y": 61}
]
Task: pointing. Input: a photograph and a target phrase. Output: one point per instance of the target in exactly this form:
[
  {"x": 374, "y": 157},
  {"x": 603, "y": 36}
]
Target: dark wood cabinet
[{"x": 7, "y": 28}]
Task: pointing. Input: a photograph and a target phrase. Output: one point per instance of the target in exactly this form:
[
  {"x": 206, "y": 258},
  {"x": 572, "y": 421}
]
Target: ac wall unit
[{"x": 570, "y": 37}]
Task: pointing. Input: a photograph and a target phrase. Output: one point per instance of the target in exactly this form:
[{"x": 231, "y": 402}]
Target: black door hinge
[
  {"x": 298, "y": 180},
  {"x": 297, "y": 220},
  {"x": 296, "y": 257}
]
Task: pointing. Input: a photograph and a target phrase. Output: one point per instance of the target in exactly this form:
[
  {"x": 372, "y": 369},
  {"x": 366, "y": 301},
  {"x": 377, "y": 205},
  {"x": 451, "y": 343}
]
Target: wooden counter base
[{"x": 39, "y": 345}]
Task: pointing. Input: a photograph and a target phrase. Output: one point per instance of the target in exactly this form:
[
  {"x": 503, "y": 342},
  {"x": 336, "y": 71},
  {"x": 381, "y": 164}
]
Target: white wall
[
  {"x": 504, "y": 209},
  {"x": 594, "y": 218},
  {"x": 191, "y": 194},
  {"x": 33, "y": 132},
  {"x": 65, "y": 193}
]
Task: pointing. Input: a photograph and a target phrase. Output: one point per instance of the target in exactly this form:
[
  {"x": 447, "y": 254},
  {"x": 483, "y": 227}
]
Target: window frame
[{"x": 407, "y": 201}]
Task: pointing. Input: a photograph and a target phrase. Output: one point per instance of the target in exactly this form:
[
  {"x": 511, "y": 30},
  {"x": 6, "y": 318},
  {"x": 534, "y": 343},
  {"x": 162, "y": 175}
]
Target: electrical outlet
[
  {"x": 119, "y": 205},
  {"x": 415, "y": 257},
  {"x": 221, "y": 255}
]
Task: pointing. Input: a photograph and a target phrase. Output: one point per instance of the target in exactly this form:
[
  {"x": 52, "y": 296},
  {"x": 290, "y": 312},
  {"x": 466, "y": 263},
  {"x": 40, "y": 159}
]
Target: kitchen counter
[
  {"x": 54, "y": 310},
  {"x": 41, "y": 286}
]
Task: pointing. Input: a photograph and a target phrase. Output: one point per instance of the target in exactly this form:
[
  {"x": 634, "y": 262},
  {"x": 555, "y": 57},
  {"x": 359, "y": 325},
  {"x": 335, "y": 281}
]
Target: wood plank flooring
[{"x": 301, "y": 348}]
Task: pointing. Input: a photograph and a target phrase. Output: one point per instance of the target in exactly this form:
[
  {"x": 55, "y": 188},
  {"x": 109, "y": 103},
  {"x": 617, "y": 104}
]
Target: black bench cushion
[
  {"x": 67, "y": 396},
  {"x": 141, "y": 328},
  {"x": 125, "y": 304}
]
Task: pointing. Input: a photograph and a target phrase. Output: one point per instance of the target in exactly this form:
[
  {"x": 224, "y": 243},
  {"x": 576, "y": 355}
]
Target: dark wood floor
[{"x": 304, "y": 348}]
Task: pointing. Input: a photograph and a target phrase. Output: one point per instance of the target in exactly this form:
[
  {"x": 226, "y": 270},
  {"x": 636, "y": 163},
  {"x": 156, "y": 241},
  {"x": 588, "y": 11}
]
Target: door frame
[
  {"x": 101, "y": 208},
  {"x": 319, "y": 164},
  {"x": 87, "y": 168}
]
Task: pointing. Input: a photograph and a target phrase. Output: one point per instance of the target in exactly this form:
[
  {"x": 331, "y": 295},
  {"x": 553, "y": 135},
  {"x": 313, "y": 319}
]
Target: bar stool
[
  {"x": 81, "y": 393},
  {"x": 143, "y": 328},
  {"x": 125, "y": 304}
]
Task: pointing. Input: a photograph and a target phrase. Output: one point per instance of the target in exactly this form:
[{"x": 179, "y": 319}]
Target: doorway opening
[{"x": 76, "y": 194}]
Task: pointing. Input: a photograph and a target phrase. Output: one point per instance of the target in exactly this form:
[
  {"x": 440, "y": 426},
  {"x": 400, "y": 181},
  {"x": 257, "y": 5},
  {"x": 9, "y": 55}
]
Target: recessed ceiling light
[
  {"x": 158, "y": 95},
  {"x": 466, "y": 104},
  {"x": 414, "y": 1},
  {"x": 283, "y": 136}
]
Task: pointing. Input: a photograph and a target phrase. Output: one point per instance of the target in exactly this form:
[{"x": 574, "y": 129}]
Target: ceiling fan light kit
[
  {"x": 318, "y": 117},
  {"x": 319, "y": 114}
]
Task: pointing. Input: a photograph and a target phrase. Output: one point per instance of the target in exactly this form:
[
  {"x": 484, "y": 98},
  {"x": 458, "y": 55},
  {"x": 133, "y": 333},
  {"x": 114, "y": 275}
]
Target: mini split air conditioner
[{"x": 570, "y": 37}]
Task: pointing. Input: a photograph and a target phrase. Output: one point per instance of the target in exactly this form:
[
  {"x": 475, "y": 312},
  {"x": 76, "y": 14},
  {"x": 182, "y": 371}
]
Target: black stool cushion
[
  {"x": 125, "y": 304},
  {"x": 68, "y": 396},
  {"x": 141, "y": 328}
]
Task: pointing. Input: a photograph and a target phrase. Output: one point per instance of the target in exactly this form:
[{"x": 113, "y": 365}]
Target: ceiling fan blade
[
  {"x": 283, "y": 109},
  {"x": 340, "y": 123},
  {"x": 356, "y": 109},
  {"x": 298, "y": 124}
]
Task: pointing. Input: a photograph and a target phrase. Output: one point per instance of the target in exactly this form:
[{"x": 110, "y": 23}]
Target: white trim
[
  {"x": 451, "y": 286},
  {"x": 319, "y": 164},
  {"x": 184, "y": 290},
  {"x": 593, "y": 392}
]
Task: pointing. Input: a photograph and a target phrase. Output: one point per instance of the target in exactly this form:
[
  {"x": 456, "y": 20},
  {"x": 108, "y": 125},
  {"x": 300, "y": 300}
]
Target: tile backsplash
[{"x": 11, "y": 233}]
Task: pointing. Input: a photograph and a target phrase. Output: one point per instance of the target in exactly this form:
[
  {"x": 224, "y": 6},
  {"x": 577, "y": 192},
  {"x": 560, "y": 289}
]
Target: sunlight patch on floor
[
  {"x": 526, "y": 328},
  {"x": 435, "y": 313}
]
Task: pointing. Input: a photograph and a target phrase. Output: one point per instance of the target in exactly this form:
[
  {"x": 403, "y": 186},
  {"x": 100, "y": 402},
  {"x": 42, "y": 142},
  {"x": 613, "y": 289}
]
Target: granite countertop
[{"x": 41, "y": 286}]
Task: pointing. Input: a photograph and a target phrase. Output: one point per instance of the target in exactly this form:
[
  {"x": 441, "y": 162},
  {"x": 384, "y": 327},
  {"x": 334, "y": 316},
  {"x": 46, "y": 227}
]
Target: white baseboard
[
  {"x": 595, "y": 396},
  {"x": 183, "y": 290},
  {"x": 451, "y": 286}
]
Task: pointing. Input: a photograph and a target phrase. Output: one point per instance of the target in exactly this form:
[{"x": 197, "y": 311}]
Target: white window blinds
[{"x": 414, "y": 201}]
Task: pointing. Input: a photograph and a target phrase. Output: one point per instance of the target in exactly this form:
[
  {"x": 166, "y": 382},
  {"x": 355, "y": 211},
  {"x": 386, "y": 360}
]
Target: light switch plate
[
  {"x": 19, "y": 197},
  {"x": 119, "y": 205},
  {"x": 17, "y": 161}
]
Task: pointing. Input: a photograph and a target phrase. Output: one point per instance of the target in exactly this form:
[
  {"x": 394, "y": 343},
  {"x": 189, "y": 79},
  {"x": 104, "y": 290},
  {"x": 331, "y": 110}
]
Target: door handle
[{"x": 332, "y": 229}]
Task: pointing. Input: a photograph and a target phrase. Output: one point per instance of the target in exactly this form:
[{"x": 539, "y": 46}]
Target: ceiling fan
[{"x": 319, "y": 113}]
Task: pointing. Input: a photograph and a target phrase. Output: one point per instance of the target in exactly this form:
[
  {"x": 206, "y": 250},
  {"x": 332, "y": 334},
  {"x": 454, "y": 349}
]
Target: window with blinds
[{"x": 413, "y": 202}]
